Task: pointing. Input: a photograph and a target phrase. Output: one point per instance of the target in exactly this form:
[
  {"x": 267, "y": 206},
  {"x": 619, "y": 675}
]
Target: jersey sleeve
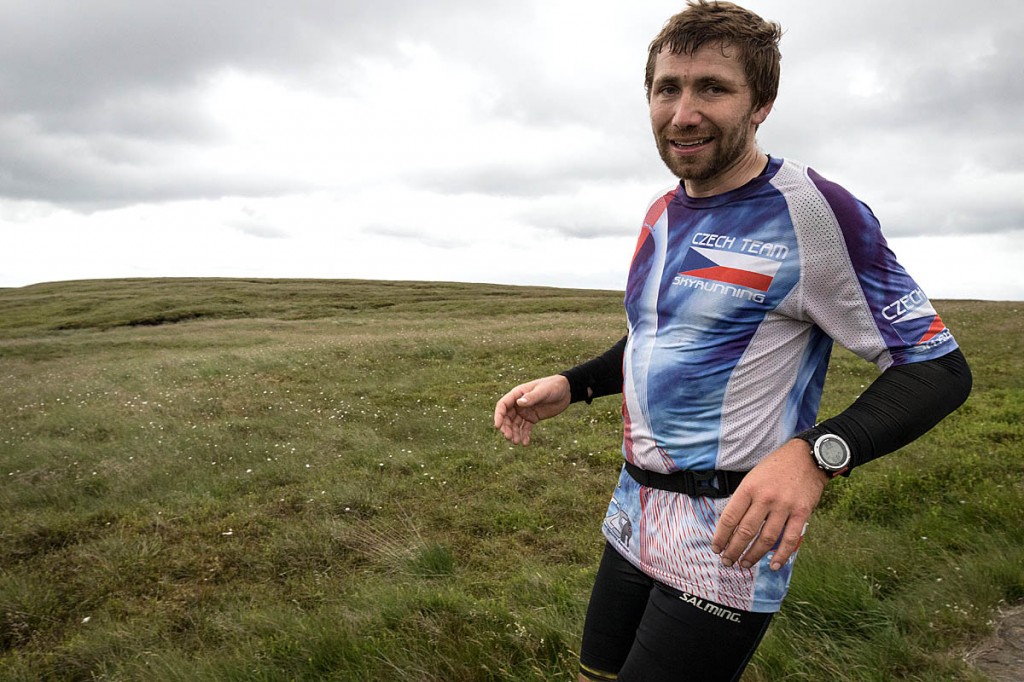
[{"x": 857, "y": 291}]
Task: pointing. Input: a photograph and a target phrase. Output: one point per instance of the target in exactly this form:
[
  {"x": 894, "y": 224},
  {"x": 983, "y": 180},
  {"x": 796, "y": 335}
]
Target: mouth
[{"x": 690, "y": 144}]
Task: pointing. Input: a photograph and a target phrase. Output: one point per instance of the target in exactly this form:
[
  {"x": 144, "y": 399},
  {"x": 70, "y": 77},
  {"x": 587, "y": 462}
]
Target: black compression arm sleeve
[
  {"x": 900, "y": 405},
  {"x": 598, "y": 377}
]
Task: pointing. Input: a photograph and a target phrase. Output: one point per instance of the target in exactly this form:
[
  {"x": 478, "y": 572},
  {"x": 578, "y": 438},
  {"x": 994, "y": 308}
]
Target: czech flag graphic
[
  {"x": 738, "y": 269},
  {"x": 919, "y": 326}
]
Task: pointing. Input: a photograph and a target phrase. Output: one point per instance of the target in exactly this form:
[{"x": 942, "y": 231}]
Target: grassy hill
[{"x": 289, "y": 479}]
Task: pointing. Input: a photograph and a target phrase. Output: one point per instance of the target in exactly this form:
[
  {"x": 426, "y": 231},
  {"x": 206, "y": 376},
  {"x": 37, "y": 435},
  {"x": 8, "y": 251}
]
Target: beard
[{"x": 728, "y": 147}]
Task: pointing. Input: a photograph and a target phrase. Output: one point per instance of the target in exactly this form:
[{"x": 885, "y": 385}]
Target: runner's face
[{"x": 702, "y": 117}]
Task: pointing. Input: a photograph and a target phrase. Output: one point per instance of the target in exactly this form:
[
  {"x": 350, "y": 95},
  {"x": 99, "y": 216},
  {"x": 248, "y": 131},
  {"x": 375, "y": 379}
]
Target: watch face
[{"x": 832, "y": 452}]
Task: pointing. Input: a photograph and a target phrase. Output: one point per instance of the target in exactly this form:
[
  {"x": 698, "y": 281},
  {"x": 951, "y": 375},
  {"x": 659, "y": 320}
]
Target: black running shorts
[{"x": 638, "y": 629}]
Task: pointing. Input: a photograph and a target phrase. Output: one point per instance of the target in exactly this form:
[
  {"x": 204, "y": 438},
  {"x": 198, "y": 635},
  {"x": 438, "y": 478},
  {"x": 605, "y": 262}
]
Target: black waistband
[{"x": 714, "y": 483}]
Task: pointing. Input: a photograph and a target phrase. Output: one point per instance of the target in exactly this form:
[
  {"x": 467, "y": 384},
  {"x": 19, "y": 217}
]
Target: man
[{"x": 743, "y": 276}]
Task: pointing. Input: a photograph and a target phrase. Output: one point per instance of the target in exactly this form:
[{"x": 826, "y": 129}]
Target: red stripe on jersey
[
  {"x": 741, "y": 278},
  {"x": 654, "y": 214},
  {"x": 934, "y": 330}
]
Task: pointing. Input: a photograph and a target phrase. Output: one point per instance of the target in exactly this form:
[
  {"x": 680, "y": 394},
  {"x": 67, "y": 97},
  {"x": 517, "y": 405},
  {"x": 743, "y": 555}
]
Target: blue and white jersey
[{"x": 733, "y": 303}]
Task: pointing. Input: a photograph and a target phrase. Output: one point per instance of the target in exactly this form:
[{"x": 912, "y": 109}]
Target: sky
[{"x": 463, "y": 140}]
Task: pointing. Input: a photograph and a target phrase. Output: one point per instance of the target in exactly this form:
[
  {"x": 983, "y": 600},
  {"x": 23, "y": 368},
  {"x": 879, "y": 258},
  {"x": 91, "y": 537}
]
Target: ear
[{"x": 759, "y": 115}]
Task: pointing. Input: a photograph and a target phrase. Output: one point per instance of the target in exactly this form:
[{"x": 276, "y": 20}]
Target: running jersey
[{"x": 733, "y": 303}]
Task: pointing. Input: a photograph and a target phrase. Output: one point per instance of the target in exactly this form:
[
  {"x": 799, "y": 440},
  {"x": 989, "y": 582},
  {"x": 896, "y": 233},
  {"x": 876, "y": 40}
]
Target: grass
[{"x": 298, "y": 480}]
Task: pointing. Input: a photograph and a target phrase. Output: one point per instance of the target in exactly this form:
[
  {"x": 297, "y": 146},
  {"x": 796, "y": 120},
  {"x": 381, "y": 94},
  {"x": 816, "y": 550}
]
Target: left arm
[
  {"x": 777, "y": 497},
  {"x": 903, "y": 404}
]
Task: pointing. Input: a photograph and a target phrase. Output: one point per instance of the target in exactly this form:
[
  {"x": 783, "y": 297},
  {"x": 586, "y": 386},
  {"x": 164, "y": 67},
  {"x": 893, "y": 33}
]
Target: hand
[
  {"x": 526, "y": 404},
  {"x": 774, "y": 501}
]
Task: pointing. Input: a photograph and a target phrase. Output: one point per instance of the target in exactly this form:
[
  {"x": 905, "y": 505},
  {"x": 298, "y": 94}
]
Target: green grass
[{"x": 298, "y": 480}]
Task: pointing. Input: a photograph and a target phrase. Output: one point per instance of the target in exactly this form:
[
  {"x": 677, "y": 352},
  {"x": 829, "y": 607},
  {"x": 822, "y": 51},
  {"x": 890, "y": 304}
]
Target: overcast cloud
[{"x": 463, "y": 140}]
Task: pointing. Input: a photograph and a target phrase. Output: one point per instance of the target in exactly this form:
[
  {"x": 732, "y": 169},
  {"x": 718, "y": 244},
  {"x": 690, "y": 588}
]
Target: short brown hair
[{"x": 706, "y": 22}]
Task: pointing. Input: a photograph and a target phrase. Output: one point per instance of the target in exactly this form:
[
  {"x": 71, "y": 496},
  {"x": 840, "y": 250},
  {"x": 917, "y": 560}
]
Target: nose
[{"x": 686, "y": 113}]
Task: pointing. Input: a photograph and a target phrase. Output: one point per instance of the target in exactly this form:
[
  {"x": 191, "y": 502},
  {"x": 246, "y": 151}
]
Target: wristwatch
[{"x": 831, "y": 453}]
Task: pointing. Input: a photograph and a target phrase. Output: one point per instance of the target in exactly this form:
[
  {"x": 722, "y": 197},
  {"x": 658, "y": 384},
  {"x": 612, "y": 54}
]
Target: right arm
[{"x": 598, "y": 377}]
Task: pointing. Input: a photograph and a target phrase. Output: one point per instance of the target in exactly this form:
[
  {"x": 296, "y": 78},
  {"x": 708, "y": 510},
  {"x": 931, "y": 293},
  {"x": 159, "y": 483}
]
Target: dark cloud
[
  {"x": 913, "y": 106},
  {"x": 144, "y": 113},
  {"x": 979, "y": 95},
  {"x": 101, "y": 171},
  {"x": 94, "y": 97},
  {"x": 61, "y": 54}
]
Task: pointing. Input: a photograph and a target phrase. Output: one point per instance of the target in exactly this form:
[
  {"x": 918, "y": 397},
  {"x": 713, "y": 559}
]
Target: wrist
[
  {"x": 579, "y": 389},
  {"x": 828, "y": 451}
]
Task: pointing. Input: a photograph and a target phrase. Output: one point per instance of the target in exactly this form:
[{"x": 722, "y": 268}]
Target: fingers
[
  {"x": 770, "y": 509},
  {"x": 749, "y": 544},
  {"x": 512, "y": 417},
  {"x": 522, "y": 433},
  {"x": 525, "y": 405},
  {"x": 506, "y": 406},
  {"x": 731, "y": 517},
  {"x": 740, "y": 525},
  {"x": 791, "y": 539},
  {"x": 747, "y": 532}
]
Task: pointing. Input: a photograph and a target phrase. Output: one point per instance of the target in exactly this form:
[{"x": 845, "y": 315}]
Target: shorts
[{"x": 638, "y": 629}]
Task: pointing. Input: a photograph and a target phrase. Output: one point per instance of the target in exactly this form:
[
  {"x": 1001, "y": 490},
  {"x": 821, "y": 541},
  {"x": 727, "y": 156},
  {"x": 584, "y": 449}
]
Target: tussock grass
[{"x": 287, "y": 480}]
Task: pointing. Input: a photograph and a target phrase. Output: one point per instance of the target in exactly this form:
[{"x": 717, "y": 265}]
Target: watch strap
[{"x": 811, "y": 436}]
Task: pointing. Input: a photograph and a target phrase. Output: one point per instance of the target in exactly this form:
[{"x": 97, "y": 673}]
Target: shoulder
[
  {"x": 794, "y": 176},
  {"x": 816, "y": 201},
  {"x": 657, "y": 207},
  {"x": 663, "y": 196}
]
